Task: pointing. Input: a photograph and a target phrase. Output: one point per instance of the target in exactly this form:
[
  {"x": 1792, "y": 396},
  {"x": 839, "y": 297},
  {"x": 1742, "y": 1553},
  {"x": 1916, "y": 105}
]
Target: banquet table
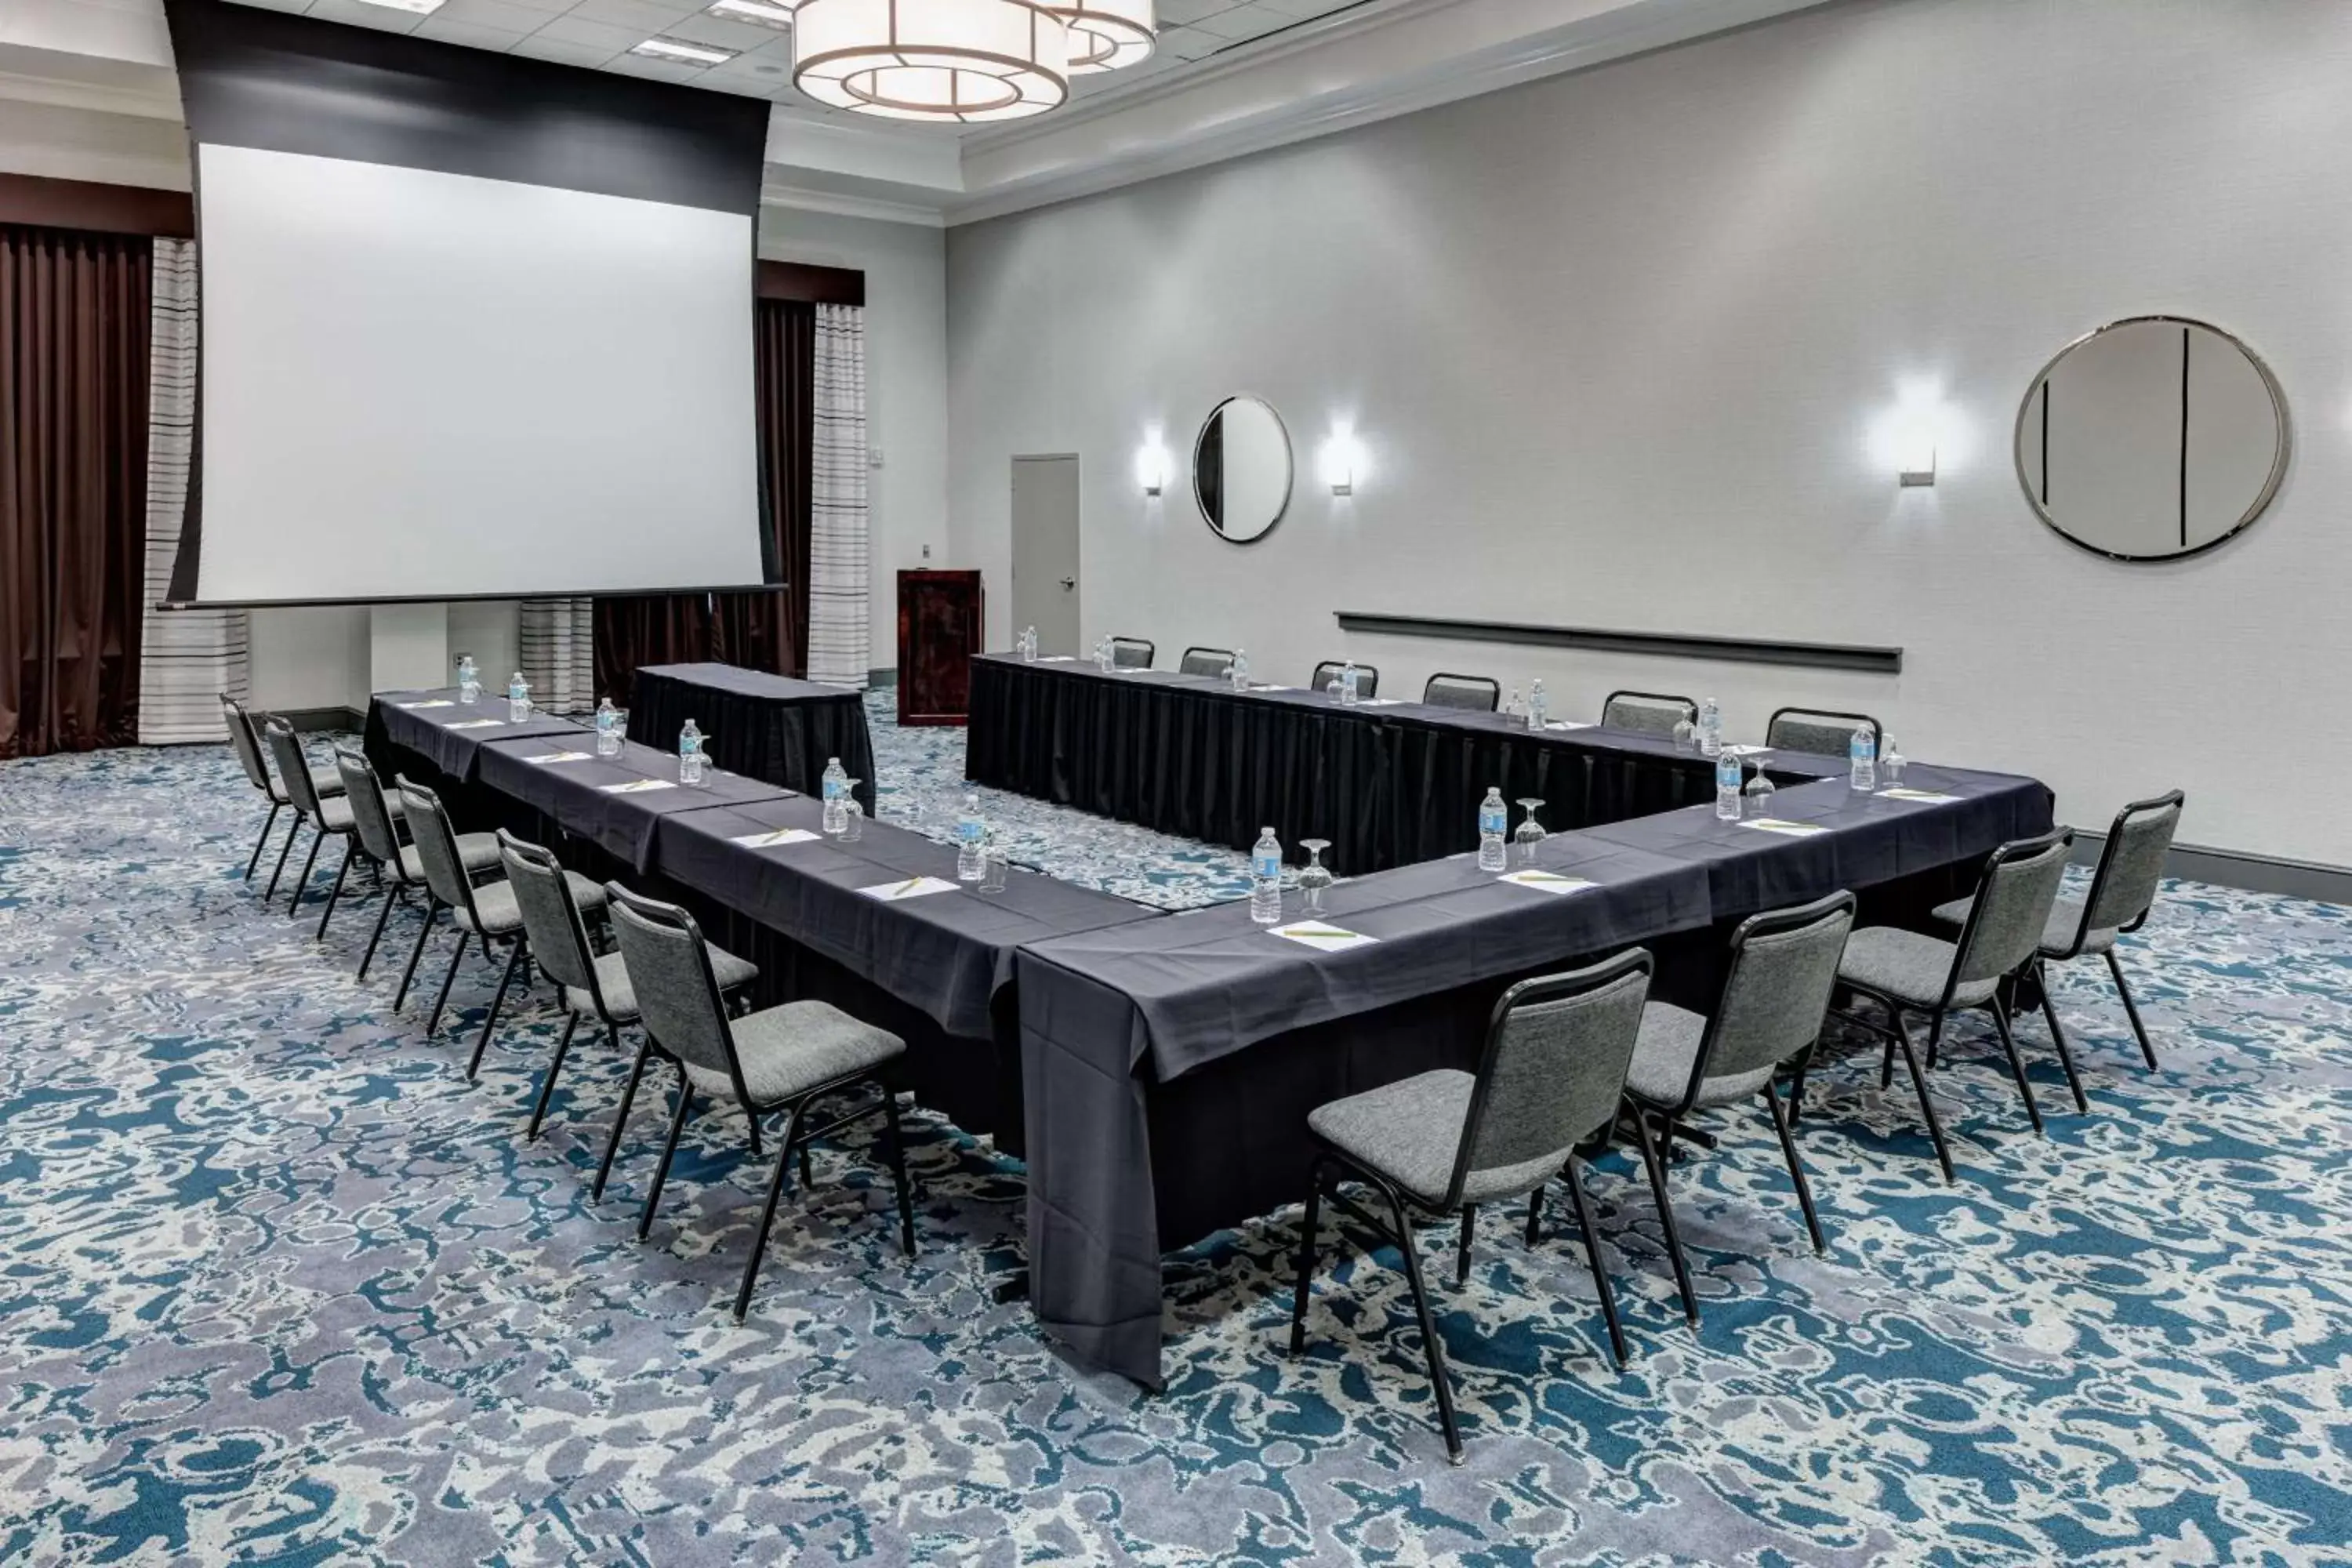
[
  {"x": 1388, "y": 782},
  {"x": 448, "y": 734},
  {"x": 768, "y": 727},
  {"x": 1167, "y": 1069}
]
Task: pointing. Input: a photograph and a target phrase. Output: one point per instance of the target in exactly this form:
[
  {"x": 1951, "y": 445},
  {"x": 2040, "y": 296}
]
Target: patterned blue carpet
[{"x": 282, "y": 1287}]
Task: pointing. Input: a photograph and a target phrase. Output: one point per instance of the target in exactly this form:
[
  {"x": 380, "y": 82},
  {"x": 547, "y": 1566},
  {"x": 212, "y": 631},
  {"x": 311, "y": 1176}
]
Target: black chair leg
[
  {"x": 767, "y": 1212},
  {"x": 546, "y": 1081},
  {"x": 2017, "y": 1065},
  {"x": 1781, "y": 1124},
  {"x": 1902, "y": 1037},
  {"x": 1935, "y": 1039},
  {"x": 1535, "y": 1215},
  {"x": 422, "y": 932},
  {"x": 336, "y": 891},
  {"x": 482, "y": 1042},
  {"x": 1306, "y": 1229},
  {"x": 620, "y": 1115},
  {"x": 895, "y": 1149},
  {"x": 670, "y": 1151},
  {"x": 2131, "y": 1010},
  {"x": 1657, "y": 1167},
  {"x": 1462, "y": 1248},
  {"x": 302, "y": 882},
  {"x": 448, "y": 978},
  {"x": 261, "y": 843},
  {"x": 1572, "y": 1179},
  {"x": 284, "y": 849},
  {"x": 1430, "y": 1342},
  {"x": 384, "y": 918},
  {"x": 2058, "y": 1036},
  {"x": 1797, "y": 1085}
]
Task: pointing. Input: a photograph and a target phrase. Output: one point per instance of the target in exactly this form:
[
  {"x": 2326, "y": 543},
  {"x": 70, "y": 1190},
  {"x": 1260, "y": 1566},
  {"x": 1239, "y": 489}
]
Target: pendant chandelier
[{"x": 969, "y": 61}]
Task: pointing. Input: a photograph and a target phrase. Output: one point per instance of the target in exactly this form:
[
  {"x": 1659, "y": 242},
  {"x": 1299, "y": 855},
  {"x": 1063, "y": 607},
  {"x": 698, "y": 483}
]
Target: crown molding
[{"x": 838, "y": 203}]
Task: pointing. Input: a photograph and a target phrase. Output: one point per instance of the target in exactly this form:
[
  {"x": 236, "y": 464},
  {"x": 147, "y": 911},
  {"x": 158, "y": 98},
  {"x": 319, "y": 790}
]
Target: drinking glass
[
  {"x": 1890, "y": 765},
  {"x": 853, "y": 818},
  {"x": 1685, "y": 735},
  {"x": 991, "y": 868},
  {"x": 1760, "y": 789},
  {"x": 1314, "y": 879},
  {"x": 1531, "y": 832}
]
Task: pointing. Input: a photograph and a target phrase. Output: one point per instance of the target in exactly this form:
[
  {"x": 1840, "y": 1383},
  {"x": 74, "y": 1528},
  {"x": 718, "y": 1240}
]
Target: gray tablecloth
[
  {"x": 577, "y": 795},
  {"x": 451, "y": 737},
  {"x": 762, "y": 726}
]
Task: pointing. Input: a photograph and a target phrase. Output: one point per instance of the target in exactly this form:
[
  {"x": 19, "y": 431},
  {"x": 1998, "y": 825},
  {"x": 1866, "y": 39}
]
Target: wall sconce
[
  {"x": 1917, "y": 464},
  {"x": 1151, "y": 468},
  {"x": 1339, "y": 462}
]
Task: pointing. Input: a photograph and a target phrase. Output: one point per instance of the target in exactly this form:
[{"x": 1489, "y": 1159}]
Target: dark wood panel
[
  {"x": 811, "y": 283},
  {"x": 940, "y": 629},
  {"x": 99, "y": 208}
]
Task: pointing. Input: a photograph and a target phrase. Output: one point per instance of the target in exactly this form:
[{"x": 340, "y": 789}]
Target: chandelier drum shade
[
  {"x": 968, "y": 60},
  {"x": 1109, "y": 35}
]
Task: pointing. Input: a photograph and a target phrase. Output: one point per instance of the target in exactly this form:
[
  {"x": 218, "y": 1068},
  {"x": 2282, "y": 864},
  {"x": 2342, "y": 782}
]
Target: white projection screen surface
[{"x": 419, "y": 384}]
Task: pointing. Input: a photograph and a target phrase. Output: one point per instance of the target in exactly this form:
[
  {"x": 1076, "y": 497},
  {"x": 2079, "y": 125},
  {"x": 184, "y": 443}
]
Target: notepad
[
  {"x": 1546, "y": 881},
  {"x": 1922, "y": 796},
  {"x": 1740, "y": 750},
  {"x": 780, "y": 837},
  {"x": 479, "y": 725},
  {"x": 553, "y": 757},
  {"x": 1322, "y": 938},
  {"x": 1787, "y": 830},
  {"x": 912, "y": 888},
  {"x": 635, "y": 787},
  {"x": 432, "y": 702},
  {"x": 1055, "y": 658},
  {"x": 1272, "y": 688},
  {"x": 1379, "y": 702},
  {"x": 1568, "y": 725}
]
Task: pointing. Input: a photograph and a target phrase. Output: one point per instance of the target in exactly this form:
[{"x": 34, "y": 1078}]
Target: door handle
[{"x": 1069, "y": 582}]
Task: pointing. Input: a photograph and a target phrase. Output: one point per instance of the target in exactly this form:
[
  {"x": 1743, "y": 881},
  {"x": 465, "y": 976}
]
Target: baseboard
[
  {"x": 884, "y": 678},
  {"x": 311, "y": 721},
  {"x": 2236, "y": 868}
]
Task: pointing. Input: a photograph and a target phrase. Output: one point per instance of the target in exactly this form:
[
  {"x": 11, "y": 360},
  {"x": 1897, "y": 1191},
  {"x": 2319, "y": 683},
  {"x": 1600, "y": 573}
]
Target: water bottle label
[
  {"x": 1490, "y": 822},
  {"x": 832, "y": 789},
  {"x": 1265, "y": 866},
  {"x": 968, "y": 831}
]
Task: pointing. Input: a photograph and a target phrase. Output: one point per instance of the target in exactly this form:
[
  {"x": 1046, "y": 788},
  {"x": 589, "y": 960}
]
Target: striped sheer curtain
[
  {"x": 186, "y": 657},
  {"x": 559, "y": 653},
  {"x": 838, "y": 636}
]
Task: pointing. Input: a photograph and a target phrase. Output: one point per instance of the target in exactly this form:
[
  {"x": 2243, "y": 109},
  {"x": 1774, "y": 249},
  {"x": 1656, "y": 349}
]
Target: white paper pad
[
  {"x": 1741, "y": 750},
  {"x": 1379, "y": 702},
  {"x": 1568, "y": 725},
  {"x": 912, "y": 888},
  {"x": 781, "y": 835},
  {"x": 435, "y": 703},
  {"x": 1923, "y": 797},
  {"x": 1545, "y": 881},
  {"x": 479, "y": 725},
  {"x": 1322, "y": 938},
  {"x": 1791, "y": 829},
  {"x": 553, "y": 757},
  {"x": 636, "y": 786},
  {"x": 1270, "y": 687},
  {"x": 1055, "y": 658}
]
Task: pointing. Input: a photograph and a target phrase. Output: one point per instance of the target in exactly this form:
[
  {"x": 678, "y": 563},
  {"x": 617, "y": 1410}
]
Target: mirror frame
[
  {"x": 1290, "y": 461},
  {"x": 2261, "y": 501}
]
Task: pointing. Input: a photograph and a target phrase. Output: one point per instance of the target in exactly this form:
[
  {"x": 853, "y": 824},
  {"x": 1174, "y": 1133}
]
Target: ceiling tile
[
  {"x": 1177, "y": 12},
  {"x": 382, "y": 18},
  {"x": 539, "y": 46},
  {"x": 656, "y": 70},
  {"x": 498, "y": 13},
  {"x": 653, "y": 16},
  {"x": 1242, "y": 22},
  {"x": 595, "y": 35},
  {"x": 498, "y": 38},
  {"x": 741, "y": 36},
  {"x": 1189, "y": 43}
]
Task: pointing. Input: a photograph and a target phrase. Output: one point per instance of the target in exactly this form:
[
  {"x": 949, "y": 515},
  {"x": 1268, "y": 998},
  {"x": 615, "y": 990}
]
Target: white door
[{"x": 1045, "y": 551}]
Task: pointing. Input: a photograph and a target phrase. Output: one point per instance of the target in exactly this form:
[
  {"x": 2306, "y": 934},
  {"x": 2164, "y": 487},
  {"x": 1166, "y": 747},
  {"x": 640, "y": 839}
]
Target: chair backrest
[
  {"x": 2011, "y": 908},
  {"x": 1205, "y": 661},
  {"x": 1647, "y": 712},
  {"x": 1784, "y": 965},
  {"x": 293, "y": 767},
  {"x": 550, "y": 915},
  {"x": 2132, "y": 863},
  {"x": 436, "y": 846},
  {"x": 1132, "y": 653},
  {"x": 1824, "y": 730},
  {"x": 1476, "y": 692},
  {"x": 369, "y": 815},
  {"x": 1553, "y": 1069},
  {"x": 677, "y": 996},
  {"x": 1368, "y": 677},
  {"x": 242, "y": 740}
]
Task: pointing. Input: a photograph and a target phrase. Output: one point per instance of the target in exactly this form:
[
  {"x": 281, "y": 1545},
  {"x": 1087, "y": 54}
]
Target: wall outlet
[{"x": 873, "y": 457}]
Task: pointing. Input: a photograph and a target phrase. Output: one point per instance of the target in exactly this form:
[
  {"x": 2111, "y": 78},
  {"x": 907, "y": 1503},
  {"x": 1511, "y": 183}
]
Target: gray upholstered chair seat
[
  {"x": 2057, "y": 935},
  {"x": 1906, "y": 967},
  {"x": 790, "y": 1049},
  {"x": 1663, "y": 1055},
  {"x": 327, "y": 781},
  {"x": 1411, "y": 1131},
  {"x": 502, "y": 916},
  {"x": 621, "y": 993},
  {"x": 476, "y": 852}
]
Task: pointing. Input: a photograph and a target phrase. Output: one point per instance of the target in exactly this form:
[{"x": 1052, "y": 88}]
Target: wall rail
[{"x": 1671, "y": 644}]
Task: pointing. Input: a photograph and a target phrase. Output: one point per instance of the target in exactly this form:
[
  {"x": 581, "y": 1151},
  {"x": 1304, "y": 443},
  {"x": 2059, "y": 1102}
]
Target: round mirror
[
  {"x": 2152, "y": 439},
  {"x": 1240, "y": 469}
]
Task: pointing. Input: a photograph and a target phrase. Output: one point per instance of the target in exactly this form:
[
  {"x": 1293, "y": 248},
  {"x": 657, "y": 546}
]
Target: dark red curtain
[
  {"x": 759, "y": 631},
  {"x": 74, "y": 328}
]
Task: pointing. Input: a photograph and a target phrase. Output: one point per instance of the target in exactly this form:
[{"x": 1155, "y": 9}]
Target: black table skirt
[{"x": 768, "y": 727}]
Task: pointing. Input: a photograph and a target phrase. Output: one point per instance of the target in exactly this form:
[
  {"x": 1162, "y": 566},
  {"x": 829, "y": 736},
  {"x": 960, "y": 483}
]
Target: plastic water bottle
[
  {"x": 1711, "y": 728},
  {"x": 1350, "y": 678},
  {"x": 1494, "y": 821},
  {"x": 972, "y": 832},
  {"x": 836, "y": 796},
  {"x": 517, "y": 698},
  {"x": 1726, "y": 788},
  {"x": 689, "y": 754},
  {"x": 1537, "y": 705},
  {"x": 1862, "y": 753},
  {"x": 1266, "y": 878},
  {"x": 1240, "y": 669},
  {"x": 469, "y": 679}
]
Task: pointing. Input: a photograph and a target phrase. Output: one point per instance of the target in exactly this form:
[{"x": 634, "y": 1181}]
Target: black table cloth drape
[{"x": 768, "y": 727}]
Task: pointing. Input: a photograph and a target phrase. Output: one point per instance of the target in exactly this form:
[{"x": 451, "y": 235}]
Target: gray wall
[{"x": 1621, "y": 348}]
